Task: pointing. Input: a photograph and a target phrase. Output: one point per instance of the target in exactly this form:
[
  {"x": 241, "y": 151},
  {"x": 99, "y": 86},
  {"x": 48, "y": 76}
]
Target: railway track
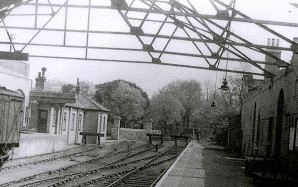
[
  {"x": 48, "y": 157},
  {"x": 44, "y": 159},
  {"x": 107, "y": 171},
  {"x": 145, "y": 174},
  {"x": 70, "y": 172},
  {"x": 124, "y": 164},
  {"x": 148, "y": 174}
]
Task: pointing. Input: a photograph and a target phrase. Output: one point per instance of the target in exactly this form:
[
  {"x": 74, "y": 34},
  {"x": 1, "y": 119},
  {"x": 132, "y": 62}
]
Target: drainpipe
[
  {"x": 56, "y": 120},
  {"x": 61, "y": 118},
  {"x": 77, "y": 127},
  {"x": 68, "y": 125}
]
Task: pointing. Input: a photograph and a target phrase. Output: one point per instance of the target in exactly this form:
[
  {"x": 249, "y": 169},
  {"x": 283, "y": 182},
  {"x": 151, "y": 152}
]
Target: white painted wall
[
  {"x": 15, "y": 81},
  {"x": 73, "y": 128},
  {"x": 80, "y": 126},
  {"x": 39, "y": 143}
]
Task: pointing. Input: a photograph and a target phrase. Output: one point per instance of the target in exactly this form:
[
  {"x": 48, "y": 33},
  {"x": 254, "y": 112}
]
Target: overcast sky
[{"x": 152, "y": 77}]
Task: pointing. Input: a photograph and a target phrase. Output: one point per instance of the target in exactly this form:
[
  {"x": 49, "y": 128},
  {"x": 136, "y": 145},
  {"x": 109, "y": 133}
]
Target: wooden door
[{"x": 42, "y": 121}]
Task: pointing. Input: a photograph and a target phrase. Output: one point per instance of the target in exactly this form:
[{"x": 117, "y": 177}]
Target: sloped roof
[
  {"x": 82, "y": 101},
  {"x": 5, "y": 91},
  {"x": 52, "y": 97}
]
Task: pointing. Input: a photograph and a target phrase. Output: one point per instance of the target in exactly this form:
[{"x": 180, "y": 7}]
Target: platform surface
[{"x": 200, "y": 167}]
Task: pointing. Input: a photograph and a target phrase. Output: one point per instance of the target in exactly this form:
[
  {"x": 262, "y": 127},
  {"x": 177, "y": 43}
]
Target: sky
[{"x": 150, "y": 78}]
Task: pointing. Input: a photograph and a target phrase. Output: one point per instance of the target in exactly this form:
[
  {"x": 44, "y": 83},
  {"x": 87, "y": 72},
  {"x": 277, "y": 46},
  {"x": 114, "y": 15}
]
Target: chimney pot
[
  {"x": 43, "y": 71},
  {"x": 78, "y": 89}
]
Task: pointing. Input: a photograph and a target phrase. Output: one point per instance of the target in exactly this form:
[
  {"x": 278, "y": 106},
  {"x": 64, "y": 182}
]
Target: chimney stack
[
  {"x": 41, "y": 79},
  {"x": 274, "y": 69}
]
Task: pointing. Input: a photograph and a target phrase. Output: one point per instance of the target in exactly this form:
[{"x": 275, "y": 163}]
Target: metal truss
[
  {"x": 181, "y": 31},
  {"x": 294, "y": 4}
]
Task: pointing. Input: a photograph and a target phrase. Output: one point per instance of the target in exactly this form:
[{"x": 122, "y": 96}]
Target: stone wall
[{"x": 115, "y": 128}]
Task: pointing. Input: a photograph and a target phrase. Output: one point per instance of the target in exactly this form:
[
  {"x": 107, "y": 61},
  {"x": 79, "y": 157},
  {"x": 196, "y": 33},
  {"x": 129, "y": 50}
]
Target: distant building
[
  {"x": 65, "y": 113},
  {"x": 85, "y": 115}
]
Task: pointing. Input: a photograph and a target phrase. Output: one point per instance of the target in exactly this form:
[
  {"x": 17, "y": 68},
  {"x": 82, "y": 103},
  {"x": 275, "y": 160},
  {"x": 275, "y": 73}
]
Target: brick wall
[{"x": 260, "y": 106}]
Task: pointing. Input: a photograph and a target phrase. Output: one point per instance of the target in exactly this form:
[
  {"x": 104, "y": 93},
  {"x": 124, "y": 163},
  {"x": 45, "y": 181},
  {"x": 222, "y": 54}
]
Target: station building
[
  {"x": 269, "y": 114},
  {"x": 66, "y": 114}
]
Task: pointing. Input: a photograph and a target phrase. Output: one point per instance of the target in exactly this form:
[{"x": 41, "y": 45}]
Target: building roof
[
  {"x": 52, "y": 97},
  {"x": 84, "y": 102},
  {"x": 5, "y": 91}
]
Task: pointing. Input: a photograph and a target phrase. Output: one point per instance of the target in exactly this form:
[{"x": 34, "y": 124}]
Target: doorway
[
  {"x": 269, "y": 136},
  {"x": 279, "y": 120},
  {"x": 42, "y": 121}
]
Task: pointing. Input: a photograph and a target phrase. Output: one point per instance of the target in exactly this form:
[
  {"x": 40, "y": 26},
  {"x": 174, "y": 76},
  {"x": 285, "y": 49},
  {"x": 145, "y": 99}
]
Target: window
[
  {"x": 54, "y": 118},
  {"x": 104, "y": 124},
  {"x": 264, "y": 132},
  {"x": 296, "y": 136},
  {"x": 293, "y": 136},
  {"x": 27, "y": 117},
  {"x": 100, "y": 122},
  {"x": 80, "y": 122},
  {"x": 64, "y": 121},
  {"x": 73, "y": 121}
]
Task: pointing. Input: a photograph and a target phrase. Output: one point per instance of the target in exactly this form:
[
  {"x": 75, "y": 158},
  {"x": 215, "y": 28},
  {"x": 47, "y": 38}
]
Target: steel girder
[{"x": 209, "y": 39}]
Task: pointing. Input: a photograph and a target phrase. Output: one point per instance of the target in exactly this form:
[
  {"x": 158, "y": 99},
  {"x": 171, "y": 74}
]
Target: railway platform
[{"x": 202, "y": 166}]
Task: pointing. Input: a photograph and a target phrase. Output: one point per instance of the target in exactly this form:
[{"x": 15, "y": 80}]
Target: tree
[
  {"x": 227, "y": 104},
  {"x": 86, "y": 87},
  {"x": 189, "y": 93},
  {"x": 68, "y": 88},
  {"x": 179, "y": 99},
  {"x": 54, "y": 85},
  {"x": 166, "y": 110},
  {"x": 125, "y": 99}
]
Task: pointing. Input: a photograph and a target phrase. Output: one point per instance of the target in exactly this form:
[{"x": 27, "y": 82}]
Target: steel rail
[
  {"x": 63, "y": 179},
  {"x": 113, "y": 152},
  {"x": 52, "y": 158},
  {"x": 113, "y": 165},
  {"x": 146, "y": 165}
]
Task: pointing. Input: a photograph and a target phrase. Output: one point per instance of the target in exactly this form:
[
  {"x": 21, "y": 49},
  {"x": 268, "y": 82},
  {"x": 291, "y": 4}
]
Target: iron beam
[
  {"x": 145, "y": 62},
  {"x": 143, "y": 50},
  {"x": 159, "y": 36},
  {"x": 256, "y": 21}
]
